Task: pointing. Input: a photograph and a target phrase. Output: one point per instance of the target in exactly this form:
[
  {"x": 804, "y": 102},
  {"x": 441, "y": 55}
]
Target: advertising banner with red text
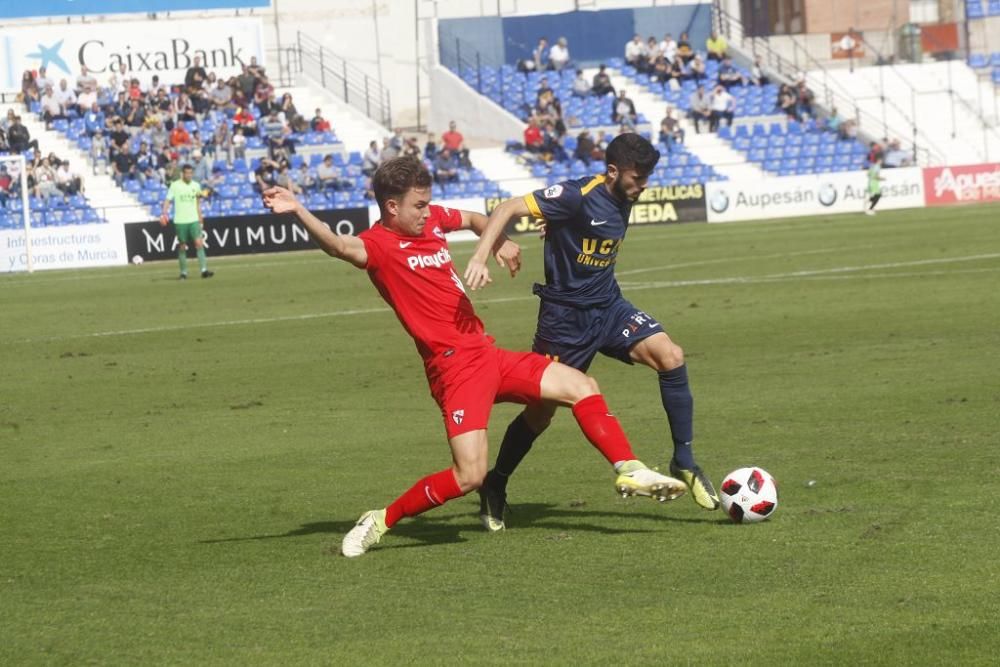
[{"x": 964, "y": 184}]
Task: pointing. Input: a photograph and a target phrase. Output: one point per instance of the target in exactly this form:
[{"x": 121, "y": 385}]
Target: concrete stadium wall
[{"x": 477, "y": 116}]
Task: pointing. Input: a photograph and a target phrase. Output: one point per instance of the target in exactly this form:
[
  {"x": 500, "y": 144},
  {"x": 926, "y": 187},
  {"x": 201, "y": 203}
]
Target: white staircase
[
  {"x": 351, "y": 126},
  {"x": 708, "y": 147},
  {"x": 501, "y": 167},
  {"x": 111, "y": 202}
]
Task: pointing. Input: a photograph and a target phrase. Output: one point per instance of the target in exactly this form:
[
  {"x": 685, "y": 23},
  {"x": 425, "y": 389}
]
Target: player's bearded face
[
  {"x": 411, "y": 211},
  {"x": 628, "y": 183}
]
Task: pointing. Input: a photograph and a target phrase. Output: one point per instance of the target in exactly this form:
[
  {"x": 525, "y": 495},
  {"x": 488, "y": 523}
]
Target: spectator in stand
[
  {"x": 661, "y": 70},
  {"x": 4, "y": 148},
  {"x": 146, "y": 164},
  {"x": 585, "y": 146},
  {"x": 221, "y": 96},
  {"x": 179, "y": 137},
  {"x": 263, "y": 96},
  {"x": 19, "y": 138},
  {"x": 5, "y": 185},
  {"x": 293, "y": 119},
  {"x": 635, "y": 50},
  {"x": 559, "y": 55},
  {"x": 318, "y": 123},
  {"x": 788, "y": 102},
  {"x": 533, "y": 139},
  {"x": 94, "y": 120},
  {"x": 123, "y": 167},
  {"x": 697, "y": 68},
  {"x": 412, "y": 149},
  {"x": 833, "y": 121},
  {"x": 716, "y": 45},
  {"x": 134, "y": 91},
  {"x": 239, "y": 144},
  {"x": 729, "y": 76},
  {"x": 29, "y": 90},
  {"x": 805, "y": 98},
  {"x": 684, "y": 49},
  {"x": 430, "y": 148},
  {"x": 194, "y": 78},
  {"x": 445, "y": 167},
  {"x": 668, "y": 47},
  {"x": 540, "y": 55},
  {"x": 202, "y": 163},
  {"x": 45, "y": 179},
  {"x": 66, "y": 96},
  {"x": 723, "y": 108},
  {"x": 371, "y": 159},
  {"x": 245, "y": 122},
  {"x": 388, "y": 151},
  {"x": 623, "y": 111},
  {"x": 276, "y": 134},
  {"x": 183, "y": 109},
  {"x": 330, "y": 176},
  {"x": 136, "y": 117},
  {"x": 99, "y": 151},
  {"x": 678, "y": 73},
  {"x": 849, "y": 130},
  {"x": 701, "y": 108},
  {"x": 552, "y": 147},
  {"x": 455, "y": 142},
  {"x": 757, "y": 76},
  {"x": 581, "y": 87},
  {"x": 246, "y": 82},
  {"x": 155, "y": 86},
  {"x": 43, "y": 81},
  {"x": 602, "y": 82},
  {"x": 265, "y": 176},
  {"x": 284, "y": 179},
  {"x": 51, "y": 108},
  {"x": 85, "y": 100},
  {"x": 86, "y": 81},
  {"x": 651, "y": 54},
  {"x": 304, "y": 178},
  {"x": 671, "y": 131},
  {"x": 397, "y": 140},
  {"x": 67, "y": 181},
  {"x": 895, "y": 156}
]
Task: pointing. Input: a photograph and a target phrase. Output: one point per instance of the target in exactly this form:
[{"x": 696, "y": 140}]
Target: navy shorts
[{"x": 574, "y": 336}]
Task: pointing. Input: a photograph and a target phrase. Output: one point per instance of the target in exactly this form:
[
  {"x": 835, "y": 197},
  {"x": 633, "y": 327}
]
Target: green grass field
[{"x": 180, "y": 461}]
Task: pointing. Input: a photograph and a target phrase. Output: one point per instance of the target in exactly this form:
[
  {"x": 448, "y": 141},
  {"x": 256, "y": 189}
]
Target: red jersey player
[{"x": 407, "y": 258}]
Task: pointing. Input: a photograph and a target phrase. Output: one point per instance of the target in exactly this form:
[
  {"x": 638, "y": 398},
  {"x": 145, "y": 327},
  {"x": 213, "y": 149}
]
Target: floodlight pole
[{"x": 23, "y": 172}]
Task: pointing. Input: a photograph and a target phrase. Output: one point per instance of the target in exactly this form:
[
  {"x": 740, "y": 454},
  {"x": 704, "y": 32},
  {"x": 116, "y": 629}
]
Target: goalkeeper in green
[{"x": 188, "y": 221}]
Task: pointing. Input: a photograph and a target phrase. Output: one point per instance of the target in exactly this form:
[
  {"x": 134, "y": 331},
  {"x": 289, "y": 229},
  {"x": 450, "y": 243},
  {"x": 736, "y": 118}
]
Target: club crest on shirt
[
  {"x": 553, "y": 191},
  {"x": 438, "y": 233},
  {"x": 457, "y": 416}
]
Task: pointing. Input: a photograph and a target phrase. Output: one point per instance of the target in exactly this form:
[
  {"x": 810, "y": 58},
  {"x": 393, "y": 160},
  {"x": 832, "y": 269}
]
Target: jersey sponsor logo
[
  {"x": 598, "y": 253},
  {"x": 553, "y": 191},
  {"x": 595, "y": 223},
  {"x": 458, "y": 416},
  {"x": 441, "y": 258},
  {"x": 405, "y": 244}
]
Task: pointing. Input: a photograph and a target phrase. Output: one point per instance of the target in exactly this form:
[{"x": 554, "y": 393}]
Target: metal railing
[
  {"x": 460, "y": 56},
  {"x": 830, "y": 93},
  {"x": 338, "y": 76}
]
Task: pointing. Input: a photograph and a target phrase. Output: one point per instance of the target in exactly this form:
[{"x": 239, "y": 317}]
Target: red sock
[
  {"x": 431, "y": 491},
  {"x": 602, "y": 429}
]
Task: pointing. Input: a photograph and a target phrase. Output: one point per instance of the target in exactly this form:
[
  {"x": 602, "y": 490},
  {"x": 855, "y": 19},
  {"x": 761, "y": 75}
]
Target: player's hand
[
  {"x": 509, "y": 256},
  {"x": 280, "y": 200},
  {"x": 477, "y": 274},
  {"x": 164, "y": 219}
]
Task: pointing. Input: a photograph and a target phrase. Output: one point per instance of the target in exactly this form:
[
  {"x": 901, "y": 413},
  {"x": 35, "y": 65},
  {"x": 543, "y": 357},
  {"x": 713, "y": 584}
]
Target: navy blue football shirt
[{"x": 584, "y": 229}]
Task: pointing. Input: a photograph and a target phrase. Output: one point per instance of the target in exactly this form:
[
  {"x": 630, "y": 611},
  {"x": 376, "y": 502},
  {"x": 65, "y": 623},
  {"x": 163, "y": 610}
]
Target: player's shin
[
  {"x": 602, "y": 429},
  {"x": 428, "y": 493},
  {"x": 675, "y": 392},
  {"x": 202, "y": 259},
  {"x": 182, "y": 259}
]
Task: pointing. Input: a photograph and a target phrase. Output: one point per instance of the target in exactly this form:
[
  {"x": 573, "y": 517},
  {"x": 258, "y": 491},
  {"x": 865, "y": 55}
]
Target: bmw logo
[
  {"x": 720, "y": 201},
  {"x": 827, "y": 194}
]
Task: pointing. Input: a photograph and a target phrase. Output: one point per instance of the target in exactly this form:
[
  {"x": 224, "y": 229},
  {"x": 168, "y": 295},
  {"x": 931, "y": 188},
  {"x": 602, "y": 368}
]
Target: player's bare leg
[
  {"x": 469, "y": 457},
  {"x": 664, "y": 356}
]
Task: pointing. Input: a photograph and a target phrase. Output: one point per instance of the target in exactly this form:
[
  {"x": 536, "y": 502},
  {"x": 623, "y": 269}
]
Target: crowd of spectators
[{"x": 47, "y": 176}]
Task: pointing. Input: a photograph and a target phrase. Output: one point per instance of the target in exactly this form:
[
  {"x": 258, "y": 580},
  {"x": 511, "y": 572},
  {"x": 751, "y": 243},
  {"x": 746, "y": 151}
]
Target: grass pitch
[{"x": 180, "y": 461}]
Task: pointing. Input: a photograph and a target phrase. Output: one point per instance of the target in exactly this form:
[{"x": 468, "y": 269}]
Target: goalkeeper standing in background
[{"x": 188, "y": 221}]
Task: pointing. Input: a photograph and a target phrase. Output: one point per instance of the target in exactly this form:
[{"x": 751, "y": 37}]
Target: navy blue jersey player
[{"x": 583, "y": 312}]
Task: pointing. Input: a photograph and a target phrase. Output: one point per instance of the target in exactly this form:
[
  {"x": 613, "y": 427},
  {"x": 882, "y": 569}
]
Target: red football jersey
[{"x": 416, "y": 277}]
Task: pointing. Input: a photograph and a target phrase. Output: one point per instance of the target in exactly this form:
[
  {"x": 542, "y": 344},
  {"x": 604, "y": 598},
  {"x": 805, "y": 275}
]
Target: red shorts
[{"x": 466, "y": 383}]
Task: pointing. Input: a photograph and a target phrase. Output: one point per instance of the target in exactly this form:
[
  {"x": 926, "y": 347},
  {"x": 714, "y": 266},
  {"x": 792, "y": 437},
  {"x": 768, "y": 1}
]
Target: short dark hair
[
  {"x": 395, "y": 177},
  {"x": 632, "y": 151},
  {"x": 186, "y": 166}
]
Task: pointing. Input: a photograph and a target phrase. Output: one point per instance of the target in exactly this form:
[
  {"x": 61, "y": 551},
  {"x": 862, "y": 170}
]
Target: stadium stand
[{"x": 790, "y": 148}]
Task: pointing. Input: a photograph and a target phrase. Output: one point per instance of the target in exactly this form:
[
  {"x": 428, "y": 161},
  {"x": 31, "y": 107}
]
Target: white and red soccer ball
[{"x": 749, "y": 495}]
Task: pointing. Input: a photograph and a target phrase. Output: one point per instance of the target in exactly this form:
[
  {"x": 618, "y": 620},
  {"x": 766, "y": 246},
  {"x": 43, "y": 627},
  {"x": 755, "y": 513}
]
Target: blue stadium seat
[{"x": 978, "y": 61}]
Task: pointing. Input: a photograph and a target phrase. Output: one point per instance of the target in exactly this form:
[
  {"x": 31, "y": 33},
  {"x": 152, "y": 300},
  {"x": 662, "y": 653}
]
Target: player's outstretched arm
[
  {"x": 506, "y": 252},
  {"x": 348, "y": 248},
  {"x": 477, "y": 274}
]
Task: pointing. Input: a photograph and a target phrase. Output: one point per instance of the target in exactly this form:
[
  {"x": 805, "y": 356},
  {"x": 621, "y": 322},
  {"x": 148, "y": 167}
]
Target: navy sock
[
  {"x": 516, "y": 443},
  {"x": 679, "y": 405}
]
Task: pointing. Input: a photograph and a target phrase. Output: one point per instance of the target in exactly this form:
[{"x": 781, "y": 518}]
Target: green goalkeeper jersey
[
  {"x": 185, "y": 198},
  {"x": 874, "y": 179}
]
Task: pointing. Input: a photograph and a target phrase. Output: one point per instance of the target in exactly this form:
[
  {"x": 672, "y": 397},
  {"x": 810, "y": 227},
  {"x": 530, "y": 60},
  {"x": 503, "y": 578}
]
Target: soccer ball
[
  {"x": 137, "y": 260},
  {"x": 749, "y": 495}
]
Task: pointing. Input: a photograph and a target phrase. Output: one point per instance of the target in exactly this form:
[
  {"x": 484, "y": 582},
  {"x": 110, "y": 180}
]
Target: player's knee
[
  {"x": 585, "y": 386},
  {"x": 470, "y": 476},
  {"x": 674, "y": 357}
]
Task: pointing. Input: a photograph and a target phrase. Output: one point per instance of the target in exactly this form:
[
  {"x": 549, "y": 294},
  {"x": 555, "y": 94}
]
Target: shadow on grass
[{"x": 429, "y": 531}]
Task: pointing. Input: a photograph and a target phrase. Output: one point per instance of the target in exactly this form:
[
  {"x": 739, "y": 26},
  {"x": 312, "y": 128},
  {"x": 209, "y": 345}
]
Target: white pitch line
[
  {"x": 842, "y": 272},
  {"x": 724, "y": 260}
]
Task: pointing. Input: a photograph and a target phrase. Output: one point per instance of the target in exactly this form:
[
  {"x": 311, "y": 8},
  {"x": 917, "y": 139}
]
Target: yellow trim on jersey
[
  {"x": 594, "y": 182},
  {"x": 529, "y": 199}
]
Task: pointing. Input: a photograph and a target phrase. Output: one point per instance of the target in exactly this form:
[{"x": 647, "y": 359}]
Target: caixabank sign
[{"x": 816, "y": 194}]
